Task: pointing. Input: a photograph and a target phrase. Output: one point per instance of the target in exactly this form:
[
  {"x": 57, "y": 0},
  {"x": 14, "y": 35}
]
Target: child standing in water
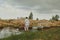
[{"x": 26, "y": 24}]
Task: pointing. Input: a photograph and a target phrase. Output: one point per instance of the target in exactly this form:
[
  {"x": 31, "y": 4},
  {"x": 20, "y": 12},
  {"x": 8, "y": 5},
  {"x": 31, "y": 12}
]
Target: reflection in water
[{"x": 6, "y": 32}]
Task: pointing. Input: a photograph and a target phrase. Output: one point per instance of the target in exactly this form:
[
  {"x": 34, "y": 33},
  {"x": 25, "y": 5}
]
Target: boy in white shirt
[{"x": 27, "y": 22}]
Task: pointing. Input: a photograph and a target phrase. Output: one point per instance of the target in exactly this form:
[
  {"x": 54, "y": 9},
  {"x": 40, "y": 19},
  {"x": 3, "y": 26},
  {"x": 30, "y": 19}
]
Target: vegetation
[
  {"x": 37, "y": 19},
  {"x": 20, "y": 22},
  {"x": 31, "y": 16},
  {"x": 56, "y": 17},
  {"x": 46, "y": 34}
]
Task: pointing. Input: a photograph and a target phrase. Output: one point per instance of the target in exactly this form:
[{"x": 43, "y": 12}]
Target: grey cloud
[{"x": 45, "y": 5}]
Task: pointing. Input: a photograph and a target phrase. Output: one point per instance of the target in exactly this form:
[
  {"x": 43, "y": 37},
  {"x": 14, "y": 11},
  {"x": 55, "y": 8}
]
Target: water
[{"x": 6, "y": 32}]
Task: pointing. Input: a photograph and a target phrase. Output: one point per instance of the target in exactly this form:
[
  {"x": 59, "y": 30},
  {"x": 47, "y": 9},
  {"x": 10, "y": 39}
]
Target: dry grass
[{"x": 20, "y": 23}]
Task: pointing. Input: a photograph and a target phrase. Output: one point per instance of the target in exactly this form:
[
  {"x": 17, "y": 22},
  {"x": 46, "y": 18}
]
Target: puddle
[{"x": 6, "y": 32}]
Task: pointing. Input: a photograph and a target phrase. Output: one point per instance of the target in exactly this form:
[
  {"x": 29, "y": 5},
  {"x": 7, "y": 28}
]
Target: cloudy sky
[{"x": 42, "y": 9}]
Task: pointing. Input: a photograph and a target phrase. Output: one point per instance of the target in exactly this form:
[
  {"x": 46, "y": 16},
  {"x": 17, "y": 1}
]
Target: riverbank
[{"x": 19, "y": 23}]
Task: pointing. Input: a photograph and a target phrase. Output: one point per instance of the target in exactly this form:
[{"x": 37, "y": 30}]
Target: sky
[{"x": 42, "y": 9}]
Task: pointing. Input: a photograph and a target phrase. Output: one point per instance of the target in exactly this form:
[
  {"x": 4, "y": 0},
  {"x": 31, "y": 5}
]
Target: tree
[
  {"x": 31, "y": 16},
  {"x": 53, "y": 18},
  {"x": 37, "y": 19},
  {"x": 56, "y": 17}
]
